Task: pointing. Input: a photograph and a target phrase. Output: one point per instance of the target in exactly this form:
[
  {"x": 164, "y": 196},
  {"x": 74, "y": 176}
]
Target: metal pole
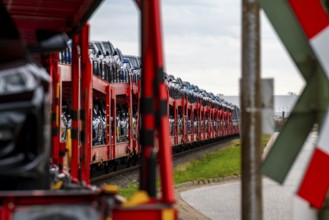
[{"x": 251, "y": 114}]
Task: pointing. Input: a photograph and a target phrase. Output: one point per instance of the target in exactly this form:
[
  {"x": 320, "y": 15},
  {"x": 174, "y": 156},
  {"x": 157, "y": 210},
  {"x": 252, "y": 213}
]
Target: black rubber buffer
[
  {"x": 74, "y": 133},
  {"x": 74, "y": 115},
  {"x": 159, "y": 76},
  {"x": 82, "y": 136},
  {"x": 163, "y": 108},
  {"x": 147, "y": 105},
  {"x": 54, "y": 131},
  {"x": 82, "y": 115},
  {"x": 53, "y": 116},
  {"x": 62, "y": 153},
  {"x": 152, "y": 171},
  {"x": 147, "y": 137}
]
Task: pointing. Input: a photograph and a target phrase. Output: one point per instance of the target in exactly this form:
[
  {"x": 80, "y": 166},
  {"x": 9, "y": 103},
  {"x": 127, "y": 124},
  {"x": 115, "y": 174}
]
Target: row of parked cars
[
  {"x": 108, "y": 62},
  {"x": 111, "y": 65},
  {"x": 178, "y": 88}
]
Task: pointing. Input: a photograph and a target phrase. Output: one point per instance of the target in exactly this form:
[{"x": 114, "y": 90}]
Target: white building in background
[{"x": 282, "y": 103}]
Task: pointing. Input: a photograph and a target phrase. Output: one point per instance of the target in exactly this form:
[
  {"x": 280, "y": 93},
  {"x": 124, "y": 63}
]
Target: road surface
[{"x": 279, "y": 201}]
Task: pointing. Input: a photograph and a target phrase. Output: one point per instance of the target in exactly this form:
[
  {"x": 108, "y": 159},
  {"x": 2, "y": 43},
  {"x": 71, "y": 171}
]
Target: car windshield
[
  {"x": 128, "y": 65},
  {"x": 99, "y": 47},
  {"x": 133, "y": 62},
  {"x": 107, "y": 47}
]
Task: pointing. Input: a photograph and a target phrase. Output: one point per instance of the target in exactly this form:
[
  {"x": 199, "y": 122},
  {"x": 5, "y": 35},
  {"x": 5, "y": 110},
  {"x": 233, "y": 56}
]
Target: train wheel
[
  {"x": 115, "y": 166},
  {"x": 129, "y": 160},
  {"x": 108, "y": 168},
  {"x": 135, "y": 159},
  {"x": 93, "y": 171}
]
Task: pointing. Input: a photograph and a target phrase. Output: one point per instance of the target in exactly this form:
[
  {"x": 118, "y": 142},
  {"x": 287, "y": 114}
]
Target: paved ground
[
  {"x": 222, "y": 201},
  {"x": 186, "y": 211}
]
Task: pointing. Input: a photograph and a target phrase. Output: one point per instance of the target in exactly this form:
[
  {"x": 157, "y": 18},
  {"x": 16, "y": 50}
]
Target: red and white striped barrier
[
  {"x": 315, "y": 183},
  {"x": 315, "y": 22}
]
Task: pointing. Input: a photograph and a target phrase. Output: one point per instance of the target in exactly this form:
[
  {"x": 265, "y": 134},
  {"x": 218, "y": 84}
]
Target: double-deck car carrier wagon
[{"x": 100, "y": 115}]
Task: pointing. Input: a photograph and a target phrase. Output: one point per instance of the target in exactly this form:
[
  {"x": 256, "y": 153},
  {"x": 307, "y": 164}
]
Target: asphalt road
[{"x": 279, "y": 201}]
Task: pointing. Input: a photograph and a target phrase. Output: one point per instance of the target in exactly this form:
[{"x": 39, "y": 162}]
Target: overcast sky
[{"x": 202, "y": 42}]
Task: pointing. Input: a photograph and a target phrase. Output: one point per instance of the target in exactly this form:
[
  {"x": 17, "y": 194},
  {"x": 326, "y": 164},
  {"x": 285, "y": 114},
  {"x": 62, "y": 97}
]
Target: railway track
[
  {"x": 221, "y": 141},
  {"x": 98, "y": 179},
  {"x": 102, "y": 178}
]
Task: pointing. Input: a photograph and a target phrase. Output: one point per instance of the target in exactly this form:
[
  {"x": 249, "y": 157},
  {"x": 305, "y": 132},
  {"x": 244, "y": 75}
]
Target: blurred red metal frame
[
  {"x": 70, "y": 17},
  {"x": 58, "y": 16}
]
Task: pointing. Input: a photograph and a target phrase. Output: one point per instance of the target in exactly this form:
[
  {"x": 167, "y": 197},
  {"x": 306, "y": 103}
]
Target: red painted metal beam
[
  {"x": 185, "y": 119},
  {"x": 75, "y": 76},
  {"x": 203, "y": 116},
  {"x": 108, "y": 121},
  {"x": 147, "y": 98},
  {"x": 153, "y": 86},
  {"x": 209, "y": 121},
  {"x": 114, "y": 116},
  {"x": 175, "y": 123},
  {"x": 182, "y": 131},
  {"x": 165, "y": 157},
  {"x": 199, "y": 121},
  {"x": 130, "y": 112},
  {"x": 138, "y": 117},
  {"x": 86, "y": 104},
  {"x": 192, "y": 122},
  {"x": 56, "y": 103}
]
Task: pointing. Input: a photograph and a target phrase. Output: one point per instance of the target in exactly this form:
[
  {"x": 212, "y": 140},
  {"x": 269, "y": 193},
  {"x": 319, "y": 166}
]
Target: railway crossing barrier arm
[{"x": 303, "y": 28}]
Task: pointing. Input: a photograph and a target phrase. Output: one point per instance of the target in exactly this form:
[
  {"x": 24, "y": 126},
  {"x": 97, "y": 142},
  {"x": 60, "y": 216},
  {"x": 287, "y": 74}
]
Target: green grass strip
[
  {"x": 221, "y": 163},
  {"x": 129, "y": 191}
]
